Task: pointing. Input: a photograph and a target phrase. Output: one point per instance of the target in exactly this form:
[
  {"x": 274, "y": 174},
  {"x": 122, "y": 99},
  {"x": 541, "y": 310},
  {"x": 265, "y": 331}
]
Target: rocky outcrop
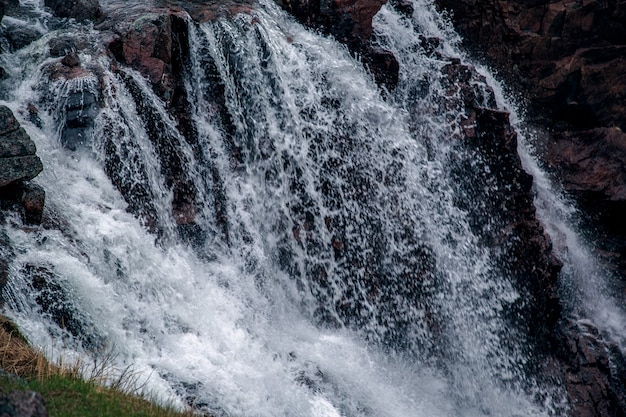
[
  {"x": 591, "y": 369},
  {"x": 350, "y": 22},
  {"x": 568, "y": 58},
  {"x": 19, "y": 164},
  {"x": 81, "y": 10},
  {"x": 490, "y": 179},
  {"x": 22, "y": 404}
]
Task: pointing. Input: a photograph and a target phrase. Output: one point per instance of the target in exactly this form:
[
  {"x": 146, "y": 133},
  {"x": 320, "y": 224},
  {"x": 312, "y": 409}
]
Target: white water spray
[{"x": 333, "y": 198}]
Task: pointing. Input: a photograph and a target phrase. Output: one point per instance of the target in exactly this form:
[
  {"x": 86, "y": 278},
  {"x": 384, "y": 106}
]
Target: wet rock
[
  {"x": 56, "y": 302},
  {"x": 16, "y": 143},
  {"x": 19, "y": 168},
  {"x": 350, "y": 22},
  {"x": 567, "y": 57},
  {"x": 490, "y": 179},
  {"x": 18, "y": 36},
  {"x": 23, "y": 404},
  {"x": 7, "y": 6},
  {"x": 593, "y": 371},
  {"x": 71, "y": 60},
  {"x": 18, "y": 161},
  {"x": 81, "y": 10},
  {"x": 6, "y": 256},
  {"x": 33, "y": 200},
  {"x": 146, "y": 45},
  {"x": 81, "y": 109},
  {"x": 383, "y": 66},
  {"x": 8, "y": 123},
  {"x": 18, "y": 164}
]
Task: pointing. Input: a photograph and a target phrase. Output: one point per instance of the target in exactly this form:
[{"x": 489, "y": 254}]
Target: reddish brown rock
[
  {"x": 567, "y": 57},
  {"x": 591, "y": 162},
  {"x": 350, "y": 22},
  {"x": 33, "y": 201},
  {"x": 490, "y": 179},
  {"x": 146, "y": 45},
  {"x": 590, "y": 371}
]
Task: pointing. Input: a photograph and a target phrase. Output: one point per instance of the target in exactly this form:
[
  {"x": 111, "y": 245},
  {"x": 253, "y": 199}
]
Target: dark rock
[
  {"x": 17, "y": 151},
  {"x": 19, "y": 36},
  {"x": 71, "y": 60},
  {"x": 350, "y": 22},
  {"x": 23, "y": 404},
  {"x": 6, "y": 256},
  {"x": 383, "y": 66},
  {"x": 16, "y": 143},
  {"x": 56, "y": 302},
  {"x": 19, "y": 163},
  {"x": 60, "y": 47},
  {"x": 81, "y": 109},
  {"x": 593, "y": 371},
  {"x": 403, "y": 6},
  {"x": 33, "y": 200},
  {"x": 567, "y": 57},
  {"x": 8, "y": 123},
  {"x": 19, "y": 168},
  {"x": 81, "y": 10},
  {"x": 7, "y": 6},
  {"x": 491, "y": 180}
]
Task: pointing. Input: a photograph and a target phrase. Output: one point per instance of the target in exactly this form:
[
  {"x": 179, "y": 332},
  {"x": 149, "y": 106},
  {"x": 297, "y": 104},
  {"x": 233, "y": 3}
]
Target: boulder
[
  {"x": 18, "y": 168},
  {"x": 33, "y": 200},
  {"x": 23, "y": 404},
  {"x": 81, "y": 10},
  {"x": 350, "y": 22},
  {"x": 18, "y": 164},
  {"x": 18, "y": 161}
]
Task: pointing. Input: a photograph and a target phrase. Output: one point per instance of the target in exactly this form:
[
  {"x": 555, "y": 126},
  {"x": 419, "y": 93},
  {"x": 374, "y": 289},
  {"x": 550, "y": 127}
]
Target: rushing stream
[{"x": 327, "y": 270}]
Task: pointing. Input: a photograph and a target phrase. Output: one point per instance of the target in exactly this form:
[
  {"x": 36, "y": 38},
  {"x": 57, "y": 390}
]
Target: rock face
[
  {"x": 81, "y": 10},
  {"x": 18, "y": 164},
  {"x": 592, "y": 374},
  {"x": 490, "y": 179},
  {"x": 350, "y": 22},
  {"x": 568, "y": 59},
  {"x": 22, "y": 404}
]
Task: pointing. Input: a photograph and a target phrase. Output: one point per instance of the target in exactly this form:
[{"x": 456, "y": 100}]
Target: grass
[{"x": 66, "y": 391}]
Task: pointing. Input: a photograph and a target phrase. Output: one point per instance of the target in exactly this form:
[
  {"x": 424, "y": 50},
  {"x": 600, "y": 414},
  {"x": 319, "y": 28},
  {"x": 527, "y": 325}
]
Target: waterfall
[{"x": 298, "y": 249}]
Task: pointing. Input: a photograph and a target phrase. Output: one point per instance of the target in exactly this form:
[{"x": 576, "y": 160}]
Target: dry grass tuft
[{"x": 17, "y": 357}]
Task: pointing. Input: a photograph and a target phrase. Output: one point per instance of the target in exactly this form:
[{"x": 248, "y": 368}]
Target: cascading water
[{"x": 302, "y": 255}]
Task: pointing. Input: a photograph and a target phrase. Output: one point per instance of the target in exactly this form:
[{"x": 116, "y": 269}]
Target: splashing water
[{"x": 326, "y": 271}]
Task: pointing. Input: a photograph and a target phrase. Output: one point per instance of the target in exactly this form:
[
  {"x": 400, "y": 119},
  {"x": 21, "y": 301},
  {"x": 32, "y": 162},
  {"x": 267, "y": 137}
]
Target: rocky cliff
[
  {"x": 562, "y": 53},
  {"x": 566, "y": 58}
]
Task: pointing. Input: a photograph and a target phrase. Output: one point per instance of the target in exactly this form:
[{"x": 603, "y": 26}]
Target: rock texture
[
  {"x": 350, "y": 22},
  {"x": 19, "y": 164},
  {"x": 17, "y": 151},
  {"x": 81, "y": 10},
  {"x": 23, "y": 404},
  {"x": 567, "y": 57},
  {"x": 490, "y": 179}
]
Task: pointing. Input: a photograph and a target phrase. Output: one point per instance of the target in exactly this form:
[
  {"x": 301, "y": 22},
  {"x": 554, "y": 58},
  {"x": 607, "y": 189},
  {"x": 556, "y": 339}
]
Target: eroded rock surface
[
  {"x": 567, "y": 57},
  {"x": 350, "y": 22}
]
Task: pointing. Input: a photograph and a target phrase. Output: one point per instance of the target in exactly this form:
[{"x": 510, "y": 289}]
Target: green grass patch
[{"x": 66, "y": 392}]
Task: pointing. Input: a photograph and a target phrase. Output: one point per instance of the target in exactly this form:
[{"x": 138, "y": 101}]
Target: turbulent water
[{"x": 328, "y": 271}]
